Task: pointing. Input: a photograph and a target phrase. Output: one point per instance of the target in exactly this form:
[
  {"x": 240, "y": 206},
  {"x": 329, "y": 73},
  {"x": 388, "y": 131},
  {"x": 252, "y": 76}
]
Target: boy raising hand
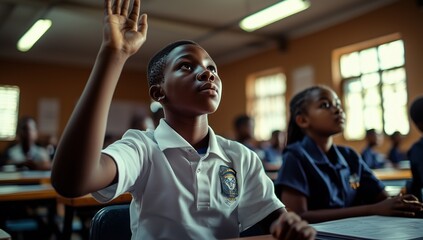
[{"x": 186, "y": 181}]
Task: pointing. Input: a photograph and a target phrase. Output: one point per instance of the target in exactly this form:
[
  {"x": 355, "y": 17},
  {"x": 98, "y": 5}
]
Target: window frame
[
  {"x": 14, "y": 123},
  {"x": 251, "y": 98},
  {"x": 339, "y": 81}
]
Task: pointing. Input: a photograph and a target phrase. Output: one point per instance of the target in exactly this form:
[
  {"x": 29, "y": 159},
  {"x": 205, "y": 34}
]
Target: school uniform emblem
[
  {"x": 354, "y": 181},
  {"x": 228, "y": 184}
]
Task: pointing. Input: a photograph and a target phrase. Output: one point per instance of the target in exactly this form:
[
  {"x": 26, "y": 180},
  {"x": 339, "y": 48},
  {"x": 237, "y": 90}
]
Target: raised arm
[{"x": 79, "y": 167}]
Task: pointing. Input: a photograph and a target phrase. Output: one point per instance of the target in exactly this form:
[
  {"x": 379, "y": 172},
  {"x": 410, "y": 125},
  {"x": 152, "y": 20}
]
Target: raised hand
[{"x": 123, "y": 30}]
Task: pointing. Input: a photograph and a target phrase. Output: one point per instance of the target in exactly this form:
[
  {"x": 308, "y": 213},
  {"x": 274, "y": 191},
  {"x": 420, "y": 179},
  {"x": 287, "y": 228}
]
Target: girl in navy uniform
[
  {"x": 415, "y": 153},
  {"x": 321, "y": 181}
]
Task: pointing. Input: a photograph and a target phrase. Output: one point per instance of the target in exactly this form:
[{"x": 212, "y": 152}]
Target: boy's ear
[
  {"x": 301, "y": 121},
  {"x": 156, "y": 92}
]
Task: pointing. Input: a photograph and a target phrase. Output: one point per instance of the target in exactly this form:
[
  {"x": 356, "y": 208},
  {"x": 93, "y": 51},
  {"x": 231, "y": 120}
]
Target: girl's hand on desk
[
  {"x": 290, "y": 226},
  {"x": 403, "y": 205}
]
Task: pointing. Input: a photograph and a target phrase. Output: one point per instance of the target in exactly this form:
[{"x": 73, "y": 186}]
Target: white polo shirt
[{"x": 180, "y": 194}]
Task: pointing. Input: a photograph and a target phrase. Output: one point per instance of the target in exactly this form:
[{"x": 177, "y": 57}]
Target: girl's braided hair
[{"x": 297, "y": 106}]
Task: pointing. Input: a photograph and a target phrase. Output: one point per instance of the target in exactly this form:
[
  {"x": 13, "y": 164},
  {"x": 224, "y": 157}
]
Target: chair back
[{"x": 111, "y": 222}]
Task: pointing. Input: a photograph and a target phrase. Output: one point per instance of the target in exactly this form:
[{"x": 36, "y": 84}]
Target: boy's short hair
[
  {"x": 157, "y": 64},
  {"x": 241, "y": 120},
  {"x": 370, "y": 131},
  {"x": 416, "y": 110}
]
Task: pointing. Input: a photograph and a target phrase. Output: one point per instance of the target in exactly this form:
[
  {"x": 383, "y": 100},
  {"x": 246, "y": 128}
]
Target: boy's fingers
[
  {"x": 135, "y": 11},
  {"x": 116, "y": 7},
  {"x": 301, "y": 230},
  {"x": 309, "y": 233},
  {"x": 288, "y": 221},
  {"x": 125, "y": 8},
  {"x": 143, "y": 25},
  {"x": 108, "y": 7}
]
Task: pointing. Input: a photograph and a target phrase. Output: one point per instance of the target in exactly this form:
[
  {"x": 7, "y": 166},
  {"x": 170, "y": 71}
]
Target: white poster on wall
[
  {"x": 120, "y": 116},
  {"x": 48, "y": 116},
  {"x": 302, "y": 77}
]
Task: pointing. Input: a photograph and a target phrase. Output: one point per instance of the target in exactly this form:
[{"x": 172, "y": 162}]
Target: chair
[{"x": 111, "y": 222}]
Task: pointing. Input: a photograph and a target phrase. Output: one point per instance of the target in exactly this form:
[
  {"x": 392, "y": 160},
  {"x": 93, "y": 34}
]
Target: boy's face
[{"x": 191, "y": 84}]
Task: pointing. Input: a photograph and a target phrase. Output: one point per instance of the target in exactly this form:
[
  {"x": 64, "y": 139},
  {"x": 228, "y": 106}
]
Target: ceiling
[{"x": 76, "y": 33}]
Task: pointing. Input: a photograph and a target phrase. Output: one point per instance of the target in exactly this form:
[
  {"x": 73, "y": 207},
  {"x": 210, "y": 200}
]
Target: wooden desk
[
  {"x": 25, "y": 177},
  {"x": 9, "y": 193},
  {"x": 30, "y": 195},
  {"x": 385, "y": 174},
  {"x": 73, "y": 204}
]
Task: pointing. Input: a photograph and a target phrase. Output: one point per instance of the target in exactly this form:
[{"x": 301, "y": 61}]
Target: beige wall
[
  {"x": 66, "y": 82},
  {"x": 404, "y": 17}
]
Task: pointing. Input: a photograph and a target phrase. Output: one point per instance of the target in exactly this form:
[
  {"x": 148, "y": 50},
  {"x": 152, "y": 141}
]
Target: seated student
[
  {"x": 321, "y": 181},
  {"x": 157, "y": 115},
  {"x": 26, "y": 154},
  {"x": 186, "y": 181},
  {"x": 395, "y": 155},
  {"x": 142, "y": 122},
  {"x": 372, "y": 158},
  {"x": 415, "y": 154},
  {"x": 273, "y": 153},
  {"x": 244, "y": 133}
]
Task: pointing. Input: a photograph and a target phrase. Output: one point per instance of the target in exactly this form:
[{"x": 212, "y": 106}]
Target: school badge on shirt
[
  {"x": 228, "y": 184},
  {"x": 354, "y": 181}
]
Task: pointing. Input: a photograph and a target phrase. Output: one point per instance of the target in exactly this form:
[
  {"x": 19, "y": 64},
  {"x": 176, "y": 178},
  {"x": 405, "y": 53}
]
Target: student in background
[
  {"x": 395, "y": 155},
  {"x": 26, "y": 154},
  {"x": 142, "y": 122},
  {"x": 415, "y": 154},
  {"x": 321, "y": 181},
  {"x": 244, "y": 133},
  {"x": 49, "y": 142},
  {"x": 157, "y": 115},
  {"x": 273, "y": 153},
  {"x": 186, "y": 182},
  {"x": 371, "y": 157}
]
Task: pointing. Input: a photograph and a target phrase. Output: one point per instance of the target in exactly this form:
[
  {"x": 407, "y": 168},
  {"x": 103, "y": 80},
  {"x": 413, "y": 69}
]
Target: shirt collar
[
  {"x": 166, "y": 137},
  {"x": 319, "y": 156}
]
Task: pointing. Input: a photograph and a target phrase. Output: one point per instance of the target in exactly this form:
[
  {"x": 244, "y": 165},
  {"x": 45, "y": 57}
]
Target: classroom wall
[
  {"x": 65, "y": 83},
  {"x": 403, "y": 16}
]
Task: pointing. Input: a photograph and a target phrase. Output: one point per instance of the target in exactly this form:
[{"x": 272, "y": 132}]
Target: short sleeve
[
  {"x": 292, "y": 174},
  {"x": 128, "y": 154},
  {"x": 258, "y": 199}
]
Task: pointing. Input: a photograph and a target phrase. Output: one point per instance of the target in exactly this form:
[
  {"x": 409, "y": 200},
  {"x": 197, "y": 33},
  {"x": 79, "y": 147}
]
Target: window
[
  {"x": 9, "y": 102},
  {"x": 266, "y": 103},
  {"x": 375, "y": 89}
]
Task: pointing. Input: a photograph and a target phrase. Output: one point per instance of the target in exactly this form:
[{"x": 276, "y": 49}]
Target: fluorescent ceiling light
[
  {"x": 273, "y": 13},
  {"x": 34, "y": 33}
]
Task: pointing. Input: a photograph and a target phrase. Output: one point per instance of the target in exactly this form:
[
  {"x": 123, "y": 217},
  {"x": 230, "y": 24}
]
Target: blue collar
[{"x": 319, "y": 156}]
